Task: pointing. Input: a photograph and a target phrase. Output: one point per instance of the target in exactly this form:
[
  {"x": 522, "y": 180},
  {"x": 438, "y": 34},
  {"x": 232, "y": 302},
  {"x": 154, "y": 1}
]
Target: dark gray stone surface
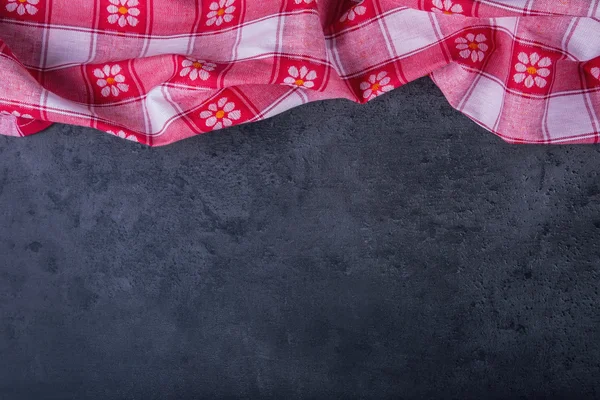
[{"x": 391, "y": 250}]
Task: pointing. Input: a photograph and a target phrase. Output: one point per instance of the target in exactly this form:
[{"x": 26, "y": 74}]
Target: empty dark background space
[{"x": 336, "y": 251}]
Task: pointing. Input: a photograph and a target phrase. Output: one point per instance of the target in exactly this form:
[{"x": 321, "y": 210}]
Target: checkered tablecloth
[{"x": 158, "y": 71}]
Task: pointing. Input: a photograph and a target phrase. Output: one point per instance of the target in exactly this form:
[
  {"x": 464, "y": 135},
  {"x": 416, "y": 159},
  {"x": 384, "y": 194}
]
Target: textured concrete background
[{"x": 381, "y": 251}]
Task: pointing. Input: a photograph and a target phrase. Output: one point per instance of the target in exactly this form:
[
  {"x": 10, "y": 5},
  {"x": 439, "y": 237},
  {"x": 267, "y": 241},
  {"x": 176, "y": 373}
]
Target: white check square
[
  {"x": 168, "y": 45},
  {"x": 258, "y": 38},
  {"x": 560, "y": 120},
  {"x": 410, "y": 30},
  {"x": 160, "y": 110},
  {"x": 579, "y": 43},
  {"x": 485, "y": 102},
  {"x": 67, "y": 47}
]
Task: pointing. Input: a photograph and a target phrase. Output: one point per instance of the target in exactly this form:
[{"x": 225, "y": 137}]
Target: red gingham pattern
[{"x": 158, "y": 71}]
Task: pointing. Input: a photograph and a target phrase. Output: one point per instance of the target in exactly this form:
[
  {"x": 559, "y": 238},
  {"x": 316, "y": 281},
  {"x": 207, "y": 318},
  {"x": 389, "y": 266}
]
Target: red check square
[
  {"x": 532, "y": 70},
  {"x": 111, "y": 82}
]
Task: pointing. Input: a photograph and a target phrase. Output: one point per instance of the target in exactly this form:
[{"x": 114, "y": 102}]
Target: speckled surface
[{"x": 390, "y": 250}]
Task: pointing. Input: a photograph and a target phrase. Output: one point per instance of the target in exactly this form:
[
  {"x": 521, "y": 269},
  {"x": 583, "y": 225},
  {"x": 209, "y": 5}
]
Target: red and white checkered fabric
[{"x": 158, "y": 71}]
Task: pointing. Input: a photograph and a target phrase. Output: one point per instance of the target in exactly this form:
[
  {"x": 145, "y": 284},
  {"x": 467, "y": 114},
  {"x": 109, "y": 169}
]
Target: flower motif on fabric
[
  {"x": 16, "y": 114},
  {"x": 302, "y": 78},
  {"x": 221, "y": 114},
  {"x": 221, "y": 11},
  {"x": 356, "y": 9},
  {"x": 375, "y": 85},
  {"x": 195, "y": 69},
  {"x": 532, "y": 70},
  {"x": 446, "y": 7},
  {"x": 123, "y": 135},
  {"x": 595, "y": 72},
  {"x": 111, "y": 80},
  {"x": 303, "y": 1},
  {"x": 23, "y": 7},
  {"x": 472, "y": 46},
  {"x": 123, "y": 12}
]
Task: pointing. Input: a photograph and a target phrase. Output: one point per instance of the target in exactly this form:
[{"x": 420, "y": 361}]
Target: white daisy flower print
[
  {"x": 23, "y": 7},
  {"x": 472, "y": 46},
  {"x": 221, "y": 114},
  {"x": 376, "y": 85},
  {"x": 221, "y": 11},
  {"x": 595, "y": 72},
  {"x": 195, "y": 69},
  {"x": 356, "y": 9},
  {"x": 123, "y": 12},
  {"x": 303, "y": 78},
  {"x": 16, "y": 114},
  {"x": 531, "y": 70},
  {"x": 111, "y": 80},
  {"x": 123, "y": 135},
  {"x": 446, "y": 7}
]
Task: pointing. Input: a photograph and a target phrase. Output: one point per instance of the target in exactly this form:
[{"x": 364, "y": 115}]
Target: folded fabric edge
[{"x": 570, "y": 117}]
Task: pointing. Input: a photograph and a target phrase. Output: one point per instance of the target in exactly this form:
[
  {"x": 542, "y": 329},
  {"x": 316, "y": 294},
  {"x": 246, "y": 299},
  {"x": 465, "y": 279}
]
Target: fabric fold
[{"x": 158, "y": 71}]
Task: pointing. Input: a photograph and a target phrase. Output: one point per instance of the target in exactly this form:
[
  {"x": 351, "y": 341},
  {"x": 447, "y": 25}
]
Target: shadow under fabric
[{"x": 159, "y": 71}]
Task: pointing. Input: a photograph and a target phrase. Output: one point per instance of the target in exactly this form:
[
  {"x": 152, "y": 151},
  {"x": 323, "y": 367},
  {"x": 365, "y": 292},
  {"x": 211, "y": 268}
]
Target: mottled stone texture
[{"x": 337, "y": 251}]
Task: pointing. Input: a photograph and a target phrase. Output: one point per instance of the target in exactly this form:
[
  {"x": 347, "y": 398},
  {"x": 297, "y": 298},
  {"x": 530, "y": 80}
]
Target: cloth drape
[{"x": 158, "y": 71}]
